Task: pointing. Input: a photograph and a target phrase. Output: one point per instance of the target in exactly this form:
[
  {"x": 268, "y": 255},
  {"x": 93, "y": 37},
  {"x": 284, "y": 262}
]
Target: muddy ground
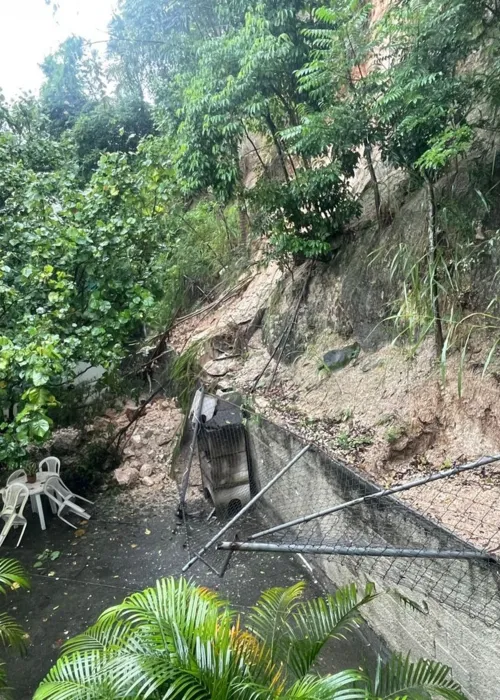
[{"x": 125, "y": 547}]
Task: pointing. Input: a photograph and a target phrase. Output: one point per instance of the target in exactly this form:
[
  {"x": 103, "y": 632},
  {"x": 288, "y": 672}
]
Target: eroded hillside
[{"x": 387, "y": 406}]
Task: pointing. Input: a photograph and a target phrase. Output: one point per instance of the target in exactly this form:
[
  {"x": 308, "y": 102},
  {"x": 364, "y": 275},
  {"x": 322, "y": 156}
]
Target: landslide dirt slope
[{"x": 390, "y": 414}]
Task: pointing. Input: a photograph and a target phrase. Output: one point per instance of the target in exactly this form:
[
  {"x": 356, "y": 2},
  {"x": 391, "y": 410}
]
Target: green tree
[
  {"x": 181, "y": 641},
  {"x": 426, "y": 100},
  {"x": 83, "y": 265},
  {"x": 110, "y": 126},
  {"x": 79, "y": 271},
  {"x": 74, "y": 81},
  {"x": 341, "y": 85},
  {"x": 217, "y": 82},
  {"x": 73, "y": 97}
]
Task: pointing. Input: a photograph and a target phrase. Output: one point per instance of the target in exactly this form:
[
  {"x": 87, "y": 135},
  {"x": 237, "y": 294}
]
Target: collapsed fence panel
[
  {"x": 459, "y": 514},
  {"x": 423, "y": 481},
  {"x": 436, "y": 535}
]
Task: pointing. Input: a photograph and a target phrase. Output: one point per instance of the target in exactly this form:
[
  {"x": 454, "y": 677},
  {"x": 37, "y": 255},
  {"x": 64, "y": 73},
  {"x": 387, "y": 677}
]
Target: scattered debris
[
  {"x": 126, "y": 476},
  {"x": 146, "y": 470}
]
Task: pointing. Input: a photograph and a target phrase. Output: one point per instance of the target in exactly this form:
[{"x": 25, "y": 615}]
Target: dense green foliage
[
  {"x": 122, "y": 190},
  {"x": 82, "y": 266},
  {"x": 181, "y": 641}
]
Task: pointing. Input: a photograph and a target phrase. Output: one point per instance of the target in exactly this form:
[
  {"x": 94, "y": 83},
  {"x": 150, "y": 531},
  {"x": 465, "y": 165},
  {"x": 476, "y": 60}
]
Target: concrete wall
[{"x": 460, "y": 638}]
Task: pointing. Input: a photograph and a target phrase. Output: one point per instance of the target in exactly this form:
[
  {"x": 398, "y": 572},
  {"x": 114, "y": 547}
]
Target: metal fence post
[
  {"x": 355, "y": 551},
  {"x": 187, "y": 471}
]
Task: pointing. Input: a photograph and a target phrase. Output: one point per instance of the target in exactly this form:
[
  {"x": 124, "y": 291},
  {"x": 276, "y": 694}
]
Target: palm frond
[
  {"x": 252, "y": 690},
  {"x": 200, "y": 654},
  {"x": 345, "y": 685},
  {"x": 11, "y": 633},
  {"x": 316, "y": 621},
  {"x": 138, "y": 674},
  {"x": 420, "y": 680},
  {"x": 259, "y": 660},
  {"x": 77, "y": 677},
  {"x": 12, "y": 575},
  {"x": 5, "y": 693},
  {"x": 188, "y": 687},
  {"x": 106, "y": 634},
  {"x": 269, "y": 621},
  {"x": 269, "y": 617},
  {"x": 173, "y": 601}
]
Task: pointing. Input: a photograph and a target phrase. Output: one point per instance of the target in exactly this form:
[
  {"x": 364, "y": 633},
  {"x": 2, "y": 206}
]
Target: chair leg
[
  {"x": 77, "y": 510},
  {"x": 66, "y": 521},
  {"x": 6, "y": 529},
  {"x": 86, "y": 500},
  {"x": 21, "y": 535}
]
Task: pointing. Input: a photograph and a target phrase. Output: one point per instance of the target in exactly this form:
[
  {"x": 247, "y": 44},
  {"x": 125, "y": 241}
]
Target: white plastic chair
[
  {"x": 51, "y": 465},
  {"x": 15, "y": 498},
  {"x": 16, "y": 475},
  {"x": 59, "y": 494}
]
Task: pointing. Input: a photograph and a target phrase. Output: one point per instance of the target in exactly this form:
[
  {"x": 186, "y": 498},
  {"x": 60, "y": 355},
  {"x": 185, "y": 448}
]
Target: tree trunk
[
  {"x": 244, "y": 222},
  {"x": 432, "y": 246},
  {"x": 255, "y": 149},
  {"x": 276, "y": 141},
  {"x": 374, "y": 181}
]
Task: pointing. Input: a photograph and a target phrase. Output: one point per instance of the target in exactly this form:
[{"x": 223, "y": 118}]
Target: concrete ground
[{"x": 121, "y": 550}]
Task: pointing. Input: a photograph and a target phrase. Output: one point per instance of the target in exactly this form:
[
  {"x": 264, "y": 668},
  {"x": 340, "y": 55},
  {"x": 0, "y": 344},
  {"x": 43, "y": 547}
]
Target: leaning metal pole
[
  {"x": 245, "y": 508},
  {"x": 354, "y": 551},
  {"x": 187, "y": 471},
  {"x": 379, "y": 494}
]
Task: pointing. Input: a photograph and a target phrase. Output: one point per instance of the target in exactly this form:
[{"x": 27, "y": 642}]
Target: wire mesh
[{"x": 460, "y": 514}]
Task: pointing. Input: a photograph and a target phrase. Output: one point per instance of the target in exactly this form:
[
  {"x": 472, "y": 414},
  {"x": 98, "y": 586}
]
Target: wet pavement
[{"x": 117, "y": 553}]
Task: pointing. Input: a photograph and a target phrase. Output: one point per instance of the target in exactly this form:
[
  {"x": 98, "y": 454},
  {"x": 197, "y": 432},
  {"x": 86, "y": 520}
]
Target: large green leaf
[
  {"x": 345, "y": 685},
  {"x": 107, "y": 633},
  {"x": 174, "y": 604},
  {"x": 5, "y": 693},
  {"x": 11, "y": 633},
  {"x": 269, "y": 618}
]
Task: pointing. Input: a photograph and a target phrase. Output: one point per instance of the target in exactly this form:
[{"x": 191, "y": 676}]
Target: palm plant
[
  {"x": 178, "y": 640},
  {"x": 12, "y": 577}
]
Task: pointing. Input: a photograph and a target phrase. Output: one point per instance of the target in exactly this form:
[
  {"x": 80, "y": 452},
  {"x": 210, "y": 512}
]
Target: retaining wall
[{"x": 437, "y": 629}]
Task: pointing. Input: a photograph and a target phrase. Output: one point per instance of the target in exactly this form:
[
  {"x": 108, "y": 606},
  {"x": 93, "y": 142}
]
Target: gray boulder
[{"x": 336, "y": 359}]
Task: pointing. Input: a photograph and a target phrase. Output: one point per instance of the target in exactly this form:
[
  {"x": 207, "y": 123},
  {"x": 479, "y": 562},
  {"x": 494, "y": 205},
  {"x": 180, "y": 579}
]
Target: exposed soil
[
  {"x": 390, "y": 416},
  {"x": 239, "y": 310}
]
